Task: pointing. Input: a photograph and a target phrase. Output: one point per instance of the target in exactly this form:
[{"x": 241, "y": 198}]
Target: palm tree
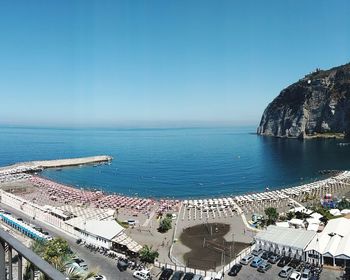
[
  {"x": 147, "y": 254},
  {"x": 60, "y": 260},
  {"x": 74, "y": 273}
]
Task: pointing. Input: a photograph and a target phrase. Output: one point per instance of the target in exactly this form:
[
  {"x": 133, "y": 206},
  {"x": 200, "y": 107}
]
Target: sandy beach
[{"x": 231, "y": 213}]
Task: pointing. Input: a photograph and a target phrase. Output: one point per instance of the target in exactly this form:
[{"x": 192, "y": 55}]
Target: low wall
[{"x": 35, "y": 211}]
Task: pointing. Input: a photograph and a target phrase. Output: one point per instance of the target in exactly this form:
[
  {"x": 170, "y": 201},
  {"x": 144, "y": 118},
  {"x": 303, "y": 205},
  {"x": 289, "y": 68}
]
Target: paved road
[{"x": 106, "y": 266}]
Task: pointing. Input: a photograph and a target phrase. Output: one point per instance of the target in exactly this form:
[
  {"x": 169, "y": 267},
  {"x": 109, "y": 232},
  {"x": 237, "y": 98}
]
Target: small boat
[{"x": 343, "y": 144}]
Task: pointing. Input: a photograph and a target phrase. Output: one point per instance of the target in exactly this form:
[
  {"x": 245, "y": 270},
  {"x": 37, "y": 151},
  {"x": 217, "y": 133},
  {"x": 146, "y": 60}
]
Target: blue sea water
[{"x": 176, "y": 163}]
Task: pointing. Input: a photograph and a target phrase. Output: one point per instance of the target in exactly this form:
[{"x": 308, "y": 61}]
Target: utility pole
[{"x": 233, "y": 245}]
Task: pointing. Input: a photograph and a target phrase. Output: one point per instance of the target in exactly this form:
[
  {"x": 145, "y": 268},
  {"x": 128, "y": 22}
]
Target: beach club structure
[
  {"x": 285, "y": 241},
  {"x": 332, "y": 245},
  {"x": 329, "y": 247}
]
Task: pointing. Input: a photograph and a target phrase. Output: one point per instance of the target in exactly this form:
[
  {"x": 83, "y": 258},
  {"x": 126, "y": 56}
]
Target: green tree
[
  {"x": 262, "y": 223},
  {"x": 55, "y": 248},
  {"x": 147, "y": 254},
  {"x": 165, "y": 224},
  {"x": 58, "y": 253},
  {"x": 272, "y": 215},
  {"x": 343, "y": 204},
  {"x": 290, "y": 215}
]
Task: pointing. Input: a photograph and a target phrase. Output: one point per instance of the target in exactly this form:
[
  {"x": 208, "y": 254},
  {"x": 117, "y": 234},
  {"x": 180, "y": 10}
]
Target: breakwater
[{"x": 32, "y": 166}]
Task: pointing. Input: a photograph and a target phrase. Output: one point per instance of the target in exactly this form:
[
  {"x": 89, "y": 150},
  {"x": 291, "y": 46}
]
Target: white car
[
  {"x": 306, "y": 274},
  {"x": 295, "y": 275},
  {"x": 99, "y": 277},
  {"x": 286, "y": 271},
  {"x": 219, "y": 276},
  {"x": 247, "y": 259},
  {"x": 142, "y": 274}
]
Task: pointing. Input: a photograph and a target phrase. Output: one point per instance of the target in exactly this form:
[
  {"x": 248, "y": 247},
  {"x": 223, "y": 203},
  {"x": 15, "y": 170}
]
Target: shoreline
[
  {"x": 38, "y": 166},
  {"x": 321, "y": 175}
]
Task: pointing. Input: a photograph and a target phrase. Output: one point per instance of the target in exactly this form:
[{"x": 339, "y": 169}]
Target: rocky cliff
[{"x": 316, "y": 106}]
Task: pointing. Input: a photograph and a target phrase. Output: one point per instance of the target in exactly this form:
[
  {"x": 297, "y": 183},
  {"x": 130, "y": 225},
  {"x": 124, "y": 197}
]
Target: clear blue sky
[{"x": 160, "y": 62}]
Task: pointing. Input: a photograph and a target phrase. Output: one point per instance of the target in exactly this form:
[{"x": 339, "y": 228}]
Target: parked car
[
  {"x": 256, "y": 262},
  {"x": 38, "y": 229},
  {"x": 306, "y": 274},
  {"x": 99, "y": 277},
  {"x": 166, "y": 273},
  {"x": 265, "y": 266},
  {"x": 295, "y": 275},
  {"x": 78, "y": 241},
  {"x": 257, "y": 252},
  {"x": 274, "y": 258},
  {"x": 284, "y": 261},
  {"x": 247, "y": 259},
  {"x": 81, "y": 263},
  {"x": 122, "y": 265},
  {"x": 197, "y": 277},
  {"x": 285, "y": 272},
  {"x": 83, "y": 266},
  {"x": 295, "y": 263},
  {"x": 235, "y": 269},
  {"x": 177, "y": 275},
  {"x": 142, "y": 274},
  {"x": 266, "y": 255},
  {"x": 188, "y": 276},
  {"x": 219, "y": 276}
]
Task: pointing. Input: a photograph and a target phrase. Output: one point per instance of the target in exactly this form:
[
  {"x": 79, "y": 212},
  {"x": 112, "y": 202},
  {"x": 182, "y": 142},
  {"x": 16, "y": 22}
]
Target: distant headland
[{"x": 318, "y": 105}]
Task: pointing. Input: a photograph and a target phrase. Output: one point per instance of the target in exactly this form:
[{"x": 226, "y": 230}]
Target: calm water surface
[{"x": 177, "y": 163}]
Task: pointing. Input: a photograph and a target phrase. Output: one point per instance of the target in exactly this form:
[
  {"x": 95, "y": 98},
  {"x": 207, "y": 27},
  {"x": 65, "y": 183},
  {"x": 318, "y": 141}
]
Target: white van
[
  {"x": 219, "y": 276},
  {"x": 142, "y": 274}
]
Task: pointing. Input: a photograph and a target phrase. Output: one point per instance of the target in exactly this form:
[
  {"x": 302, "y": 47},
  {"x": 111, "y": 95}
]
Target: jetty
[{"x": 33, "y": 166}]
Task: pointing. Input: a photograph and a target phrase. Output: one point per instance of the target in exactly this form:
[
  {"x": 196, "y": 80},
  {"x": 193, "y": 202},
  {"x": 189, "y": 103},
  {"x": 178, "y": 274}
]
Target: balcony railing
[{"x": 8, "y": 244}]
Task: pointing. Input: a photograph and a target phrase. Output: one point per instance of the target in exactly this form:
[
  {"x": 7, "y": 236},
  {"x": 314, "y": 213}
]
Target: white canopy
[
  {"x": 301, "y": 209},
  {"x": 335, "y": 212},
  {"x": 316, "y": 215},
  {"x": 313, "y": 227},
  {"x": 296, "y": 222}
]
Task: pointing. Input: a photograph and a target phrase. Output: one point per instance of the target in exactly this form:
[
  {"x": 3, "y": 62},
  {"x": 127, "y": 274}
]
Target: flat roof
[
  {"x": 287, "y": 237},
  {"x": 105, "y": 229}
]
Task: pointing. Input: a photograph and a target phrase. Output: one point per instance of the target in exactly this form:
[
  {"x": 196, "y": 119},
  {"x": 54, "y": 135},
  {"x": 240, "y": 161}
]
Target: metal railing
[{"x": 7, "y": 244}]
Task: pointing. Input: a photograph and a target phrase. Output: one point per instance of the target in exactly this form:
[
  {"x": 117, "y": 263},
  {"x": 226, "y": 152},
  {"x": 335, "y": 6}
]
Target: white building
[
  {"x": 332, "y": 245},
  {"x": 285, "y": 241},
  {"x": 98, "y": 233}
]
